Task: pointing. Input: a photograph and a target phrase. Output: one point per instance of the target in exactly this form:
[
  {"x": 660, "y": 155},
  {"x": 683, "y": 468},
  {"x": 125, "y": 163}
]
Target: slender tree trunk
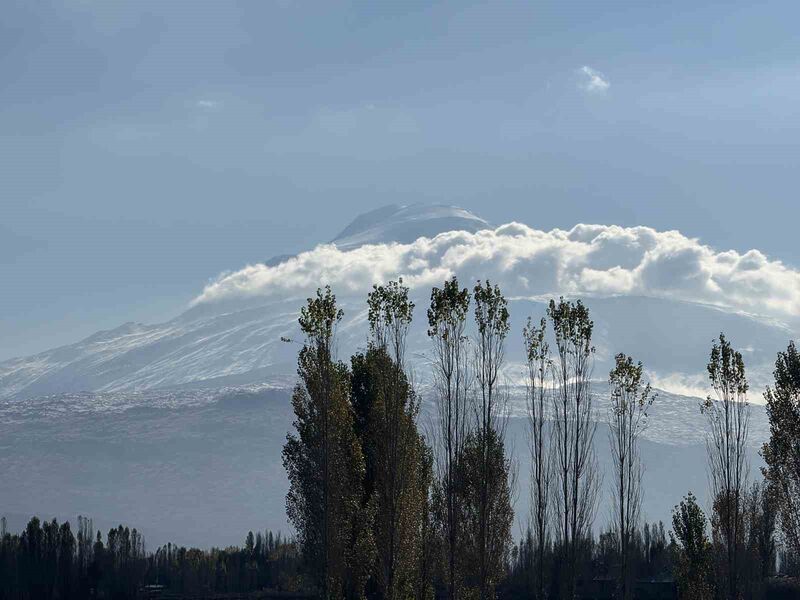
[{"x": 446, "y": 321}]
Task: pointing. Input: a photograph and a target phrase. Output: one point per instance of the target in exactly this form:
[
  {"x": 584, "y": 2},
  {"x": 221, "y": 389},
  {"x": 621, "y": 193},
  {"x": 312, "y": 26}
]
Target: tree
[
  {"x": 324, "y": 462},
  {"x": 760, "y": 545},
  {"x": 485, "y": 539},
  {"x": 66, "y": 552},
  {"x": 85, "y": 539},
  {"x": 539, "y": 369},
  {"x": 630, "y": 398},
  {"x": 446, "y": 323},
  {"x": 782, "y": 452},
  {"x": 393, "y": 443},
  {"x": 693, "y": 560},
  {"x": 577, "y": 478},
  {"x": 487, "y": 493},
  {"x": 728, "y": 419},
  {"x": 429, "y": 538}
]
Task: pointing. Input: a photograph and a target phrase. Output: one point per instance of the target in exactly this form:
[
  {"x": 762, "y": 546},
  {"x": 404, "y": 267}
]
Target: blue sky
[{"x": 147, "y": 146}]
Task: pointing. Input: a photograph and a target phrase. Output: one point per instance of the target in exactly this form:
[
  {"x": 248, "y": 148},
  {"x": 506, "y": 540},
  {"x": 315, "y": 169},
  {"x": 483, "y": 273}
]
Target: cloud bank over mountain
[
  {"x": 659, "y": 296},
  {"x": 603, "y": 260}
]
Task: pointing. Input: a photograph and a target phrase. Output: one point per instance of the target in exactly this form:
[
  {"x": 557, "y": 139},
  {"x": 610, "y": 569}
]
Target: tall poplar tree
[
  {"x": 486, "y": 471},
  {"x": 729, "y": 423},
  {"x": 630, "y": 399},
  {"x": 576, "y": 474},
  {"x": 782, "y": 451},
  {"x": 324, "y": 462},
  {"x": 539, "y": 371},
  {"x": 447, "y": 316},
  {"x": 393, "y": 444}
]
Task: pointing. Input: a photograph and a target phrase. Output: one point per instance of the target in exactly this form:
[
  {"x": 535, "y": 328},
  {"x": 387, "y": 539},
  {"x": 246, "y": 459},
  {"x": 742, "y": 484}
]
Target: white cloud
[
  {"x": 207, "y": 104},
  {"x": 693, "y": 385},
  {"x": 593, "y": 81},
  {"x": 587, "y": 259}
]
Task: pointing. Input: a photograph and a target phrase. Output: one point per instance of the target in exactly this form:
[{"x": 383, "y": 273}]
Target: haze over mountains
[{"x": 177, "y": 427}]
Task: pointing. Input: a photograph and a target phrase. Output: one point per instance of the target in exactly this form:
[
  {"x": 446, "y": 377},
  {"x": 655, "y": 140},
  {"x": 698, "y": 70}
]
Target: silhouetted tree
[
  {"x": 577, "y": 477},
  {"x": 630, "y": 398},
  {"x": 694, "y": 555},
  {"x": 446, "y": 323},
  {"x": 483, "y": 463},
  {"x": 539, "y": 372},
  {"x": 760, "y": 545},
  {"x": 728, "y": 418},
  {"x": 782, "y": 452},
  {"x": 485, "y": 479}
]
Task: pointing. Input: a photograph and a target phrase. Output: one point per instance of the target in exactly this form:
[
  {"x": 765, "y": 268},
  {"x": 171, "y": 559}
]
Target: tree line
[
  {"x": 48, "y": 560},
  {"x": 387, "y": 506}
]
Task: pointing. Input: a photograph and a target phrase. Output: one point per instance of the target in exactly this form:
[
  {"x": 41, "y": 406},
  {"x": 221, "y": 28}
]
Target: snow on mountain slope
[
  {"x": 130, "y": 423},
  {"x": 404, "y": 224},
  {"x": 243, "y": 346},
  {"x": 656, "y": 295}
]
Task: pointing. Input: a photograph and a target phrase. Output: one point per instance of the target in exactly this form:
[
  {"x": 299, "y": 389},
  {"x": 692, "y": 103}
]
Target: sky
[{"x": 148, "y": 146}]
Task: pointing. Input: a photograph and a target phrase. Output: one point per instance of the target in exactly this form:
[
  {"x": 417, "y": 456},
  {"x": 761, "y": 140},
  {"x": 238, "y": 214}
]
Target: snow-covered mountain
[
  {"x": 231, "y": 335},
  {"x": 178, "y": 425},
  {"x": 404, "y": 224},
  {"x": 218, "y": 344}
]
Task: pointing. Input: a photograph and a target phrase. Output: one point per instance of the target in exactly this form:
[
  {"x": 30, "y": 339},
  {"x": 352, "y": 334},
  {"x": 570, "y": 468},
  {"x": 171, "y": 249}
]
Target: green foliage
[
  {"x": 630, "y": 399},
  {"x": 484, "y": 472},
  {"x": 491, "y": 310},
  {"x": 446, "y": 324},
  {"x": 572, "y": 326},
  {"x": 537, "y": 350},
  {"x": 324, "y": 462},
  {"x": 484, "y": 495},
  {"x": 625, "y": 380},
  {"x": 782, "y": 452},
  {"x": 385, "y": 403},
  {"x": 393, "y": 447},
  {"x": 693, "y": 551},
  {"x": 577, "y": 477},
  {"x": 538, "y": 396},
  {"x": 728, "y": 418},
  {"x": 390, "y": 312},
  {"x": 726, "y": 368},
  {"x": 448, "y": 309}
]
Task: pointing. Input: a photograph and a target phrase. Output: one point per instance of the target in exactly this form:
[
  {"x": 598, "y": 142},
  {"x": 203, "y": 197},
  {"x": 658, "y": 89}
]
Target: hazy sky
[{"x": 147, "y": 146}]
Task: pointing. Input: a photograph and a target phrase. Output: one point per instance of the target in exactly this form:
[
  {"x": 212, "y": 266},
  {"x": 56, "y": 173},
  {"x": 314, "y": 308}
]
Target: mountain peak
[{"x": 406, "y": 223}]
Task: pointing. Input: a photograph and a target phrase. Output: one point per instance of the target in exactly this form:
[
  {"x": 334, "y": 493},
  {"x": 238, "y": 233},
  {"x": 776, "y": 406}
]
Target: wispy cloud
[
  {"x": 206, "y": 104},
  {"x": 684, "y": 384},
  {"x": 593, "y": 81}
]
